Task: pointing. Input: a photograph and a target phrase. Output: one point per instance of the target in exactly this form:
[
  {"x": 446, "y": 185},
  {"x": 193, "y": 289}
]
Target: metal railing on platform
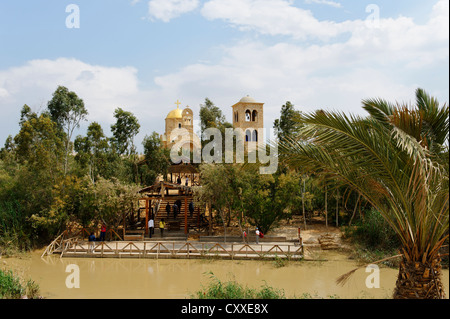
[{"x": 78, "y": 248}]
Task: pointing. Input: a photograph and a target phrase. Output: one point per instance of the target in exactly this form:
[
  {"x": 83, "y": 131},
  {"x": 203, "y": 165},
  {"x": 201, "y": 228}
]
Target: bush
[
  {"x": 374, "y": 239},
  {"x": 375, "y": 233},
  {"x": 11, "y": 287},
  {"x": 233, "y": 290},
  {"x": 14, "y": 234}
]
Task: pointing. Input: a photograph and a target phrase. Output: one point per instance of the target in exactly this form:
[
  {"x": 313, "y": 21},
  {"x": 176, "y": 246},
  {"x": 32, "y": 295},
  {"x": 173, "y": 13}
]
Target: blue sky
[{"x": 143, "y": 55}]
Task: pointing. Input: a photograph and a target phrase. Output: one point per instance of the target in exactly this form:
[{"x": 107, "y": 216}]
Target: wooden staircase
[{"x": 177, "y": 224}]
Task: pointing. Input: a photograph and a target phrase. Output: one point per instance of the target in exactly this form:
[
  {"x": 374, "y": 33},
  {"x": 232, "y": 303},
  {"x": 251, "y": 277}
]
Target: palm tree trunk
[
  {"x": 417, "y": 280},
  {"x": 326, "y": 206}
]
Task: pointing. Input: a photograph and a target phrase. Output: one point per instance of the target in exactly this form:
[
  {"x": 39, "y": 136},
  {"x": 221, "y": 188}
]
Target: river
[{"x": 179, "y": 278}]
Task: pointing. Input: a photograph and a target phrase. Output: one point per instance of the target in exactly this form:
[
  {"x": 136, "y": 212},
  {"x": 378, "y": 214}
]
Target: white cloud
[
  {"x": 102, "y": 88},
  {"x": 281, "y": 17},
  {"x": 326, "y": 2},
  {"x": 275, "y": 17},
  {"x": 167, "y": 10},
  {"x": 387, "y": 62}
]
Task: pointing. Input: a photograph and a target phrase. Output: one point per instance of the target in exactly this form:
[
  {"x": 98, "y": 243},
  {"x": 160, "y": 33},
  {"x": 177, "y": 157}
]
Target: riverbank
[
  {"x": 122, "y": 278},
  {"x": 178, "y": 279}
]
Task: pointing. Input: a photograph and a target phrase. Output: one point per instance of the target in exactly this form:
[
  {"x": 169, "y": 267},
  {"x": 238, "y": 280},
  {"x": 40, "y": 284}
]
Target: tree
[
  {"x": 67, "y": 110},
  {"x": 156, "y": 157},
  {"x": 114, "y": 201},
  {"x": 214, "y": 192},
  {"x": 395, "y": 159},
  {"x": 239, "y": 190},
  {"x": 211, "y": 117},
  {"x": 39, "y": 144},
  {"x": 40, "y": 152},
  {"x": 124, "y": 131},
  {"x": 92, "y": 150},
  {"x": 288, "y": 123}
]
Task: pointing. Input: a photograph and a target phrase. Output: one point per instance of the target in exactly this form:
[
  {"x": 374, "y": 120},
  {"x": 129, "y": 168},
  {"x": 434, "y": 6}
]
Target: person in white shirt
[
  {"x": 151, "y": 226},
  {"x": 257, "y": 235}
]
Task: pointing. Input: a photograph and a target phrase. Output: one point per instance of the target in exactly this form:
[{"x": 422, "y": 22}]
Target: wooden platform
[{"x": 180, "y": 249}]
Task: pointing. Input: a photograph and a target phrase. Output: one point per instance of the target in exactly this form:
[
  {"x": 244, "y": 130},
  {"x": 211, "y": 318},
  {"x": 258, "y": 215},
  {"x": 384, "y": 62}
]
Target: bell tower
[{"x": 248, "y": 115}]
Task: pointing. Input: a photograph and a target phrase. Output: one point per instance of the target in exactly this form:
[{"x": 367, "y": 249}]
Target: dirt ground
[{"x": 316, "y": 232}]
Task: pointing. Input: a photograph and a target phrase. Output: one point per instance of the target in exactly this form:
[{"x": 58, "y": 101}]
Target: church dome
[
  {"x": 247, "y": 99},
  {"x": 175, "y": 114}
]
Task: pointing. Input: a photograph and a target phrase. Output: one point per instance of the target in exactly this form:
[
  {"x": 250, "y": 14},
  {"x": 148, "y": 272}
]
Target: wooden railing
[
  {"x": 55, "y": 244},
  {"x": 74, "y": 247}
]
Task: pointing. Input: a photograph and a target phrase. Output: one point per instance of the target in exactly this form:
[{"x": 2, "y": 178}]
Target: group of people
[
  {"x": 179, "y": 181},
  {"x": 93, "y": 239},
  {"x": 162, "y": 223},
  {"x": 258, "y": 234},
  {"x": 151, "y": 226},
  {"x": 177, "y": 208}
]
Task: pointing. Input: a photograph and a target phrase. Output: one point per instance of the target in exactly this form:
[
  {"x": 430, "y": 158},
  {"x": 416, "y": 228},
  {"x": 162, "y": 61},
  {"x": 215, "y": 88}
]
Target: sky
[{"x": 144, "y": 55}]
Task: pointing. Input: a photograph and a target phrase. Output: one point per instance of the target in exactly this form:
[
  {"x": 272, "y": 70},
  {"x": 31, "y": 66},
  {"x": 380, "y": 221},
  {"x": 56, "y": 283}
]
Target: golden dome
[{"x": 175, "y": 114}]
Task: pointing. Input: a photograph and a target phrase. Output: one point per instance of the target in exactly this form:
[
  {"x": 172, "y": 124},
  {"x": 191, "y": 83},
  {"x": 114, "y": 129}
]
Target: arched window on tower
[
  {"x": 255, "y": 116},
  {"x": 255, "y": 136},
  {"x": 179, "y": 125},
  {"x": 248, "y": 136},
  {"x": 236, "y": 117},
  {"x": 248, "y": 116}
]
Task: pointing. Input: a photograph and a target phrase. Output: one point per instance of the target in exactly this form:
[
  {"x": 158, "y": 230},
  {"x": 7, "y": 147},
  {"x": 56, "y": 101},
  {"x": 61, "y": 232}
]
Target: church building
[
  {"x": 248, "y": 115},
  {"x": 179, "y": 119}
]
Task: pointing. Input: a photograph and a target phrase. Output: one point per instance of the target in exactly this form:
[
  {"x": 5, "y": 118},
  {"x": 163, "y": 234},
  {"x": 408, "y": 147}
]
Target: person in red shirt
[{"x": 103, "y": 232}]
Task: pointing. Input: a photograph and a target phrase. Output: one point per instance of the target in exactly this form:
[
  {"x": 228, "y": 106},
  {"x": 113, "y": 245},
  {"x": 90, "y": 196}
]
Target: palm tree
[{"x": 397, "y": 159}]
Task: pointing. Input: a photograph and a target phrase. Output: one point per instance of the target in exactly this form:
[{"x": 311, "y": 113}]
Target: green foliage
[
  {"x": 12, "y": 287},
  {"x": 67, "y": 110},
  {"x": 39, "y": 194},
  {"x": 234, "y": 290},
  {"x": 92, "y": 151},
  {"x": 211, "y": 116},
  {"x": 124, "y": 130},
  {"x": 394, "y": 158},
  {"x": 374, "y": 233},
  {"x": 39, "y": 145},
  {"x": 263, "y": 200},
  {"x": 14, "y": 233},
  {"x": 157, "y": 158},
  {"x": 113, "y": 200},
  {"x": 287, "y": 126}
]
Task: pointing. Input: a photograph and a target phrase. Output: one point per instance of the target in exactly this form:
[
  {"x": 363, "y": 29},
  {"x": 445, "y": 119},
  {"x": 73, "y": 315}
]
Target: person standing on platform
[
  {"x": 175, "y": 210},
  {"x": 151, "y": 226},
  {"x": 91, "y": 243},
  {"x": 191, "y": 208},
  {"x": 103, "y": 232},
  {"x": 257, "y": 235},
  {"x": 162, "y": 225},
  {"x": 168, "y": 209}
]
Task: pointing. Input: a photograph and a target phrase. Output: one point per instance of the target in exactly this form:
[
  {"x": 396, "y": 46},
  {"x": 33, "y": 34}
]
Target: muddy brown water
[{"x": 180, "y": 278}]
